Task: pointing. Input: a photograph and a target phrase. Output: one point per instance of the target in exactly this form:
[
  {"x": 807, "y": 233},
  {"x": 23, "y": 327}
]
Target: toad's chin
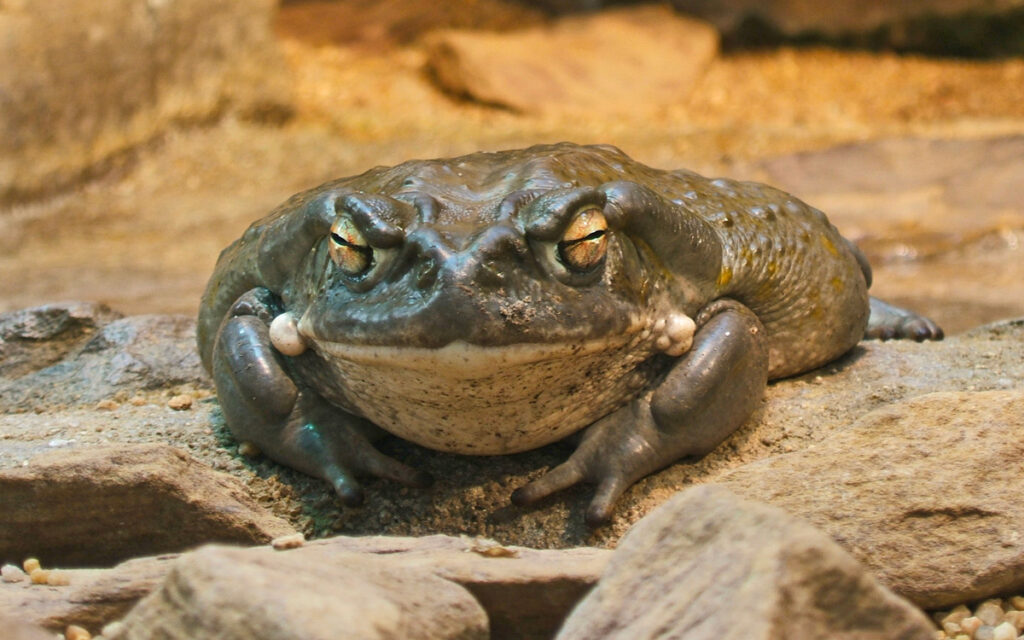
[{"x": 471, "y": 399}]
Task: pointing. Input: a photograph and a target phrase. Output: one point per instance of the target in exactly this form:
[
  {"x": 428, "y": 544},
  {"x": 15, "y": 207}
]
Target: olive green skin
[{"x": 466, "y": 252}]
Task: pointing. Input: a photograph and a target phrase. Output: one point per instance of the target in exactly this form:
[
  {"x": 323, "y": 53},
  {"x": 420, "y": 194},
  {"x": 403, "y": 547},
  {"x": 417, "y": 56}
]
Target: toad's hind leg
[
  {"x": 288, "y": 422},
  {"x": 889, "y": 322},
  {"x": 708, "y": 394}
]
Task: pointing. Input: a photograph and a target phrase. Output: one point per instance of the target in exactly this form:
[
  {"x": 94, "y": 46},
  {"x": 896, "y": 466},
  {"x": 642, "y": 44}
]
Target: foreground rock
[
  {"x": 926, "y": 493},
  {"x": 710, "y": 565},
  {"x": 612, "y": 62},
  {"x": 287, "y": 596},
  {"x": 95, "y": 507},
  {"x": 160, "y": 63},
  {"x": 525, "y": 593}
]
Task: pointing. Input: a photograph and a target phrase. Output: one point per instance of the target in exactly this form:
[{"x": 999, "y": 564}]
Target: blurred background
[{"x": 140, "y": 137}]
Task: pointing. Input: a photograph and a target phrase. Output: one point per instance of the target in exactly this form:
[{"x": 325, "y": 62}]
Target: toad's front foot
[
  {"x": 291, "y": 424},
  {"x": 707, "y": 395}
]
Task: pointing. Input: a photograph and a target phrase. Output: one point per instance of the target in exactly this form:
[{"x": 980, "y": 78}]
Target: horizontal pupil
[
  {"x": 592, "y": 236},
  {"x": 355, "y": 247}
]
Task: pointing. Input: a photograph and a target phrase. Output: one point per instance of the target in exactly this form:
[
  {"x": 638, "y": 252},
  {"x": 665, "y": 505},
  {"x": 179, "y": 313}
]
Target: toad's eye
[
  {"x": 349, "y": 249},
  {"x": 585, "y": 241}
]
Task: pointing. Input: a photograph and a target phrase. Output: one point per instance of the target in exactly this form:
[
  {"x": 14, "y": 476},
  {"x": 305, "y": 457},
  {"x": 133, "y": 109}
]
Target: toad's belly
[{"x": 486, "y": 400}]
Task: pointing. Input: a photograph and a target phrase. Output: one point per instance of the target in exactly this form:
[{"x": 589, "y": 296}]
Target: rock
[
  {"x": 16, "y": 629},
  {"x": 92, "y": 598},
  {"x": 615, "y": 61},
  {"x": 525, "y": 592},
  {"x": 161, "y": 63},
  {"x": 76, "y": 354},
  {"x": 909, "y": 490},
  {"x": 35, "y": 338},
  {"x": 707, "y": 560},
  {"x": 291, "y": 595},
  {"x": 95, "y": 507}
]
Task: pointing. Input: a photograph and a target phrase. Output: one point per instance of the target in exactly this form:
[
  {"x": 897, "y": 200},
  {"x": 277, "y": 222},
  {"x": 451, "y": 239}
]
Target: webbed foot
[
  {"x": 889, "y": 322},
  {"x": 708, "y": 394}
]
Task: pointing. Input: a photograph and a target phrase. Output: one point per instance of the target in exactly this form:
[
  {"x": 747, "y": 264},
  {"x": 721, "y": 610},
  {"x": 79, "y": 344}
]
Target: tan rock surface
[
  {"x": 924, "y": 492},
  {"x": 525, "y": 592},
  {"x": 709, "y": 565},
  {"x": 611, "y": 62},
  {"x": 98, "y": 506},
  {"x": 159, "y": 63},
  {"x": 15, "y": 629}
]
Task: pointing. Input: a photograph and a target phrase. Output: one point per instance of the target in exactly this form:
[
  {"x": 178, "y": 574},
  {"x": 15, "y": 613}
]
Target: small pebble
[
  {"x": 951, "y": 628},
  {"x": 293, "y": 541},
  {"x": 985, "y": 632},
  {"x": 1017, "y": 602},
  {"x": 956, "y": 615},
  {"x": 180, "y": 402},
  {"x": 39, "y": 576},
  {"x": 990, "y": 612},
  {"x": 248, "y": 449},
  {"x": 970, "y": 625},
  {"x": 11, "y": 573},
  {"x": 113, "y": 630},
  {"x": 1004, "y": 631},
  {"x": 137, "y": 401},
  {"x": 75, "y": 632},
  {"x": 30, "y": 565},
  {"x": 106, "y": 405},
  {"x": 1016, "y": 618}
]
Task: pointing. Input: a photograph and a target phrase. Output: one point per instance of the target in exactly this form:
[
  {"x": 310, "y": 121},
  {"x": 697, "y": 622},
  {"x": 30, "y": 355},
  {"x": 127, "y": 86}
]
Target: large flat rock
[
  {"x": 615, "y": 61},
  {"x": 924, "y": 492},
  {"x": 98, "y": 506}
]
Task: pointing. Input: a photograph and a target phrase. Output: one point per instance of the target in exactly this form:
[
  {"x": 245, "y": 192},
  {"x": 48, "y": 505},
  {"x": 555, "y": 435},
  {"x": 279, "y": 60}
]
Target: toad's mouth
[{"x": 461, "y": 359}]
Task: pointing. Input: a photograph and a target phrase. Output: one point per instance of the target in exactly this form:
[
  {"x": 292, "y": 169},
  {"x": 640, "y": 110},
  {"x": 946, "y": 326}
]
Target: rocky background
[{"x": 138, "y": 138}]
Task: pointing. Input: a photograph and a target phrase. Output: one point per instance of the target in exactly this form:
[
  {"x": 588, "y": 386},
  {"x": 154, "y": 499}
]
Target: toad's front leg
[
  {"x": 707, "y": 395},
  {"x": 285, "y": 419}
]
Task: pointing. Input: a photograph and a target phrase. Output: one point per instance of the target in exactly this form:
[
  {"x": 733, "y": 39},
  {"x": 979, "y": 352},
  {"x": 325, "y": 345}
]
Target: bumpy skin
[{"x": 470, "y": 331}]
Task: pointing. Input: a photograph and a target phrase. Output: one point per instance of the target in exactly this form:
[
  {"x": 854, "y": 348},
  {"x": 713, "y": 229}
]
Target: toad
[{"x": 497, "y": 302}]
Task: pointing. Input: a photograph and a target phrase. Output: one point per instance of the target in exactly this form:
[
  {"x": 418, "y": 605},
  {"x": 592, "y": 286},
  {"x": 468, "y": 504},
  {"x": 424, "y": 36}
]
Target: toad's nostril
[{"x": 426, "y": 273}]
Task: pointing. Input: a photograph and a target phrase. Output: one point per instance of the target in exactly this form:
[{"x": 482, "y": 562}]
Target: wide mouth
[{"x": 460, "y": 359}]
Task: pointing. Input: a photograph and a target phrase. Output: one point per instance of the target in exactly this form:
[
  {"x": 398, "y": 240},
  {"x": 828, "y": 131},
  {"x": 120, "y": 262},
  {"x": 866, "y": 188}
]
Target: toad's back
[{"x": 785, "y": 261}]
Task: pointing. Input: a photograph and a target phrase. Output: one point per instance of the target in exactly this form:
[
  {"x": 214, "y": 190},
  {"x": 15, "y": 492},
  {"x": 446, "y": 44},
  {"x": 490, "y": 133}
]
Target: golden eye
[
  {"x": 585, "y": 241},
  {"x": 348, "y": 248}
]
